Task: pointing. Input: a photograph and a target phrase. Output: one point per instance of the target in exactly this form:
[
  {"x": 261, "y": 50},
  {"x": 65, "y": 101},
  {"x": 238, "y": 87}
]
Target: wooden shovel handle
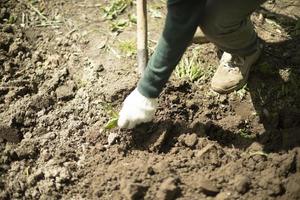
[{"x": 142, "y": 29}]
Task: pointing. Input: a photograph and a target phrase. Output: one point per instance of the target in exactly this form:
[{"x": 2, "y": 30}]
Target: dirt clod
[
  {"x": 9, "y": 134},
  {"x": 293, "y": 187},
  {"x": 224, "y": 196},
  {"x": 191, "y": 140},
  {"x": 207, "y": 187},
  {"x": 242, "y": 184},
  {"x": 133, "y": 191},
  {"x": 168, "y": 189},
  {"x": 65, "y": 92}
]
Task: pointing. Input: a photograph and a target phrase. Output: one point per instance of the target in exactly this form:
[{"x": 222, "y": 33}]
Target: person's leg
[{"x": 227, "y": 24}]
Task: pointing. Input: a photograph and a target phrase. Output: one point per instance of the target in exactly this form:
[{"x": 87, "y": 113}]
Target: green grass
[
  {"x": 244, "y": 133},
  {"x": 115, "y": 8},
  {"x": 241, "y": 93},
  {"x": 128, "y": 47},
  {"x": 12, "y": 19},
  {"x": 189, "y": 68},
  {"x": 119, "y": 25},
  {"x": 113, "y": 115}
]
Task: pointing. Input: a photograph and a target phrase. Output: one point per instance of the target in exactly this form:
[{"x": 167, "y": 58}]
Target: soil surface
[{"x": 63, "y": 64}]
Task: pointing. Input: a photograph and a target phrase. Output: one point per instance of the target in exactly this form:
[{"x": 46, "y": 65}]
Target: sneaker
[{"x": 233, "y": 72}]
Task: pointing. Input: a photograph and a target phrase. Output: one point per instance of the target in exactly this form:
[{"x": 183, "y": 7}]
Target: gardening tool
[{"x": 142, "y": 50}]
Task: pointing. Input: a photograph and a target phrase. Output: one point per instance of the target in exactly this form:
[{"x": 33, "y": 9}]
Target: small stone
[
  {"x": 242, "y": 184},
  {"x": 224, "y": 196},
  {"x": 168, "y": 190},
  {"x": 112, "y": 137},
  {"x": 191, "y": 140},
  {"x": 133, "y": 191},
  {"x": 65, "y": 92},
  {"x": 208, "y": 188}
]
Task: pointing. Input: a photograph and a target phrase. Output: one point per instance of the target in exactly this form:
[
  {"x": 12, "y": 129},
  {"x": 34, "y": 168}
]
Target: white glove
[{"x": 136, "y": 109}]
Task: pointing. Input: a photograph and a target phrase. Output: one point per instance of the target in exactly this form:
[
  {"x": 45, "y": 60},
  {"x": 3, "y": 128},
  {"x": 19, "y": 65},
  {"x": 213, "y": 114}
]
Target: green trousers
[{"x": 226, "y": 23}]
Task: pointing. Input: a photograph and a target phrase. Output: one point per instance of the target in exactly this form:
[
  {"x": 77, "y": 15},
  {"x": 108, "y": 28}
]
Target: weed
[
  {"x": 189, "y": 68},
  {"x": 132, "y": 18},
  {"x": 112, "y": 123},
  {"x": 119, "y": 25},
  {"x": 12, "y": 19},
  {"x": 246, "y": 134},
  {"x": 113, "y": 114},
  {"x": 115, "y": 8},
  {"x": 128, "y": 47},
  {"x": 242, "y": 92},
  {"x": 42, "y": 20}
]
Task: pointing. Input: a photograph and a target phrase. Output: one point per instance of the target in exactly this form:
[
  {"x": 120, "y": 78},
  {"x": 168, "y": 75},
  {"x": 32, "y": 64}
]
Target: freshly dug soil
[{"x": 61, "y": 68}]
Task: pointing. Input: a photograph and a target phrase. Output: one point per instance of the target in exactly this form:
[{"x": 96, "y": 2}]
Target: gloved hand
[{"x": 136, "y": 109}]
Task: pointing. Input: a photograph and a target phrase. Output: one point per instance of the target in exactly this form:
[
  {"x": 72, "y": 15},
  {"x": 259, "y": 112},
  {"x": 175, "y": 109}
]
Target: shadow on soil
[{"x": 274, "y": 86}]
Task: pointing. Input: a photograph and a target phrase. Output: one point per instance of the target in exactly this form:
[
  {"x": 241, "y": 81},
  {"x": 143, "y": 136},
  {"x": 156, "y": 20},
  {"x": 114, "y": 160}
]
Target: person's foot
[{"x": 233, "y": 72}]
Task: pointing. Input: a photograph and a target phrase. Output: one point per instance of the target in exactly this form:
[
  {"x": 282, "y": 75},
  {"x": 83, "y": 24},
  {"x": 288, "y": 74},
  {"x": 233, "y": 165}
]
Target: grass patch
[
  {"x": 244, "y": 133},
  {"x": 189, "y": 68},
  {"x": 119, "y": 25},
  {"x": 12, "y": 19},
  {"x": 112, "y": 12},
  {"x": 115, "y": 8},
  {"x": 128, "y": 47}
]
